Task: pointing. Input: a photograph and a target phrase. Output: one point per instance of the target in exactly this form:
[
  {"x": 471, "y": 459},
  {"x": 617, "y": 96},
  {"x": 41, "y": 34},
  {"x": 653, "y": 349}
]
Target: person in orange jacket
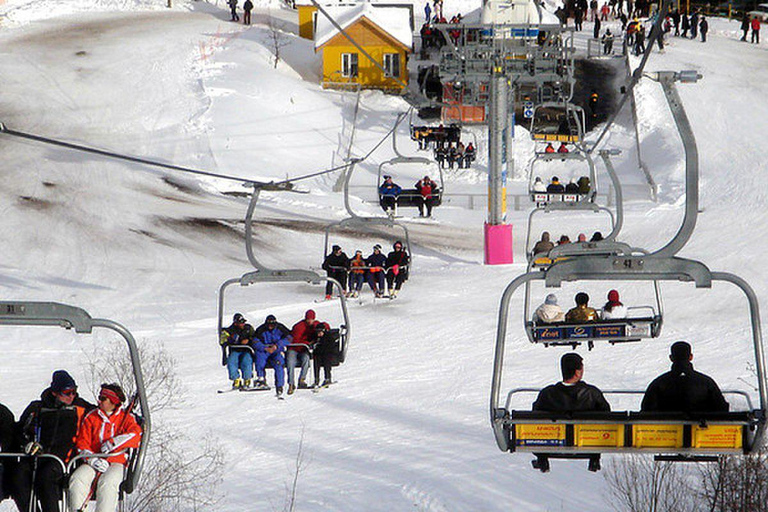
[{"x": 109, "y": 429}]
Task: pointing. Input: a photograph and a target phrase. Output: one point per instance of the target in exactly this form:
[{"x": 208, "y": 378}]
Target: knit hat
[
  {"x": 271, "y": 319},
  {"x": 377, "y": 246},
  {"x": 61, "y": 380},
  {"x": 551, "y": 299},
  {"x": 113, "y": 392},
  {"x": 238, "y": 319},
  {"x": 613, "y": 296},
  {"x": 310, "y": 314},
  {"x": 336, "y": 248},
  {"x": 320, "y": 327}
]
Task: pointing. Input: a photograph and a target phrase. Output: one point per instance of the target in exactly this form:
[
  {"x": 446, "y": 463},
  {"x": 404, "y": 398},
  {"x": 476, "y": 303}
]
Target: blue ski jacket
[{"x": 280, "y": 336}]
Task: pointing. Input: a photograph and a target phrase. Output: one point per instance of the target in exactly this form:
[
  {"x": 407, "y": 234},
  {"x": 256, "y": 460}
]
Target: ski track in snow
[{"x": 406, "y": 427}]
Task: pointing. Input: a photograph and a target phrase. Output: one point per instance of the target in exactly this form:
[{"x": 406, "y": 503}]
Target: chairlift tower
[{"x": 490, "y": 64}]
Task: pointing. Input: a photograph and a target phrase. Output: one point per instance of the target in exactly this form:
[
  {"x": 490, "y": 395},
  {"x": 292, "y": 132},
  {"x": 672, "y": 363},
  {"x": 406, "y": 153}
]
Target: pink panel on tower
[{"x": 498, "y": 244}]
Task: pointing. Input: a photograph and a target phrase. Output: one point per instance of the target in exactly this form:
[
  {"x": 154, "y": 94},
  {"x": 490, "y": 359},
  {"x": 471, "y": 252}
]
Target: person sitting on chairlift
[
  {"x": 356, "y": 274},
  {"x": 582, "y": 312},
  {"x": 238, "y": 338},
  {"x": 563, "y": 240},
  {"x": 460, "y": 149},
  {"x": 582, "y": 238},
  {"x": 389, "y": 191},
  {"x": 469, "y": 155},
  {"x": 544, "y": 245},
  {"x": 613, "y": 308},
  {"x": 108, "y": 429},
  {"x": 549, "y": 312},
  {"x": 427, "y": 190},
  {"x": 453, "y": 155},
  {"x": 563, "y": 148},
  {"x": 570, "y": 395},
  {"x": 7, "y": 438},
  {"x": 325, "y": 353},
  {"x": 555, "y": 187},
  {"x": 397, "y": 269},
  {"x": 377, "y": 263},
  {"x": 584, "y": 185},
  {"x": 571, "y": 188},
  {"x": 298, "y": 354},
  {"x": 683, "y": 388},
  {"x": 336, "y": 265},
  {"x": 550, "y": 148},
  {"x": 269, "y": 345},
  {"x": 596, "y": 237},
  {"x": 538, "y": 185}
]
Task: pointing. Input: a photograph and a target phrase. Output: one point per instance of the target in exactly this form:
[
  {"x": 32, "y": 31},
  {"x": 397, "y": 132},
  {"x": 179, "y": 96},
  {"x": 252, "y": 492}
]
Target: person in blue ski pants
[{"x": 269, "y": 346}]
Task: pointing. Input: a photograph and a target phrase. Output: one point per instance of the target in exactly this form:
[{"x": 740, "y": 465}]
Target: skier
[
  {"x": 544, "y": 245},
  {"x": 614, "y": 308},
  {"x": 376, "y": 263},
  {"x": 549, "y": 312},
  {"x": 397, "y": 269},
  {"x": 608, "y": 42},
  {"x": 325, "y": 353},
  {"x": 582, "y": 312},
  {"x": 108, "y": 429},
  {"x": 298, "y": 354},
  {"x": 578, "y": 16},
  {"x": 538, "y": 185},
  {"x": 269, "y": 347},
  {"x": 570, "y": 395},
  {"x": 48, "y": 426},
  {"x": 640, "y": 40},
  {"x": 427, "y": 12},
  {"x": 694, "y": 24},
  {"x": 469, "y": 155},
  {"x": 233, "y": 7},
  {"x": 703, "y": 29},
  {"x": 555, "y": 187},
  {"x": 676, "y": 21},
  {"x": 336, "y": 265},
  {"x": 550, "y": 148},
  {"x": 563, "y": 240},
  {"x": 584, "y": 185},
  {"x": 755, "y": 30},
  {"x": 685, "y": 24},
  {"x": 356, "y": 274},
  {"x": 426, "y": 188},
  {"x": 683, "y": 388},
  {"x": 744, "y": 27},
  {"x": 563, "y": 148},
  {"x": 571, "y": 188},
  {"x": 247, "y": 7},
  {"x": 239, "y": 337},
  {"x": 388, "y": 192},
  {"x": 596, "y": 29}
]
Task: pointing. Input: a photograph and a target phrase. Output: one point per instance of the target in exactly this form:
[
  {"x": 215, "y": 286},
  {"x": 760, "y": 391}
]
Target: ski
[
  {"x": 228, "y": 390},
  {"x": 254, "y": 390},
  {"x": 317, "y": 389}
]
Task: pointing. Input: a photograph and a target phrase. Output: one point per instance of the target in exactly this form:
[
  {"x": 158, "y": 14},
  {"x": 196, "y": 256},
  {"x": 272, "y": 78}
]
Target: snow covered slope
[{"x": 406, "y": 427}]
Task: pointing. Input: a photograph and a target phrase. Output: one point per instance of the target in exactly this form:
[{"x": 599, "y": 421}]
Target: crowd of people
[
  {"x": 385, "y": 275},
  {"x": 448, "y": 155},
  {"x": 545, "y": 244},
  {"x": 682, "y": 389},
  {"x": 550, "y": 311},
  {"x": 63, "y": 425},
  {"x": 581, "y": 186},
  {"x": 273, "y": 345}
]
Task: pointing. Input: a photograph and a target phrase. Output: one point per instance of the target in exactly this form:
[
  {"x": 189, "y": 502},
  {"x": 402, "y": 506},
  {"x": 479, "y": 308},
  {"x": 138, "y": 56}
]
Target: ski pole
[{"x": 34, "y": 468}]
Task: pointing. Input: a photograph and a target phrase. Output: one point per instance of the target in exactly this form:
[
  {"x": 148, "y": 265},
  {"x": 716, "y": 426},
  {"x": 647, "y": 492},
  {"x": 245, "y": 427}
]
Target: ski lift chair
[
  {"x": 40, "y": 314},
  {"x": 410, "y": 197},
  {"x": 575, "y": 157},
  {"x": 556, "y": 121},
  {"x": 670, "y": 436}
]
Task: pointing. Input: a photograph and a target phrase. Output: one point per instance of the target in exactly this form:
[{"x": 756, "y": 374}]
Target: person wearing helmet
[
  {"x": 377, "y": 263},
  {"x": 397, "y": 268}
]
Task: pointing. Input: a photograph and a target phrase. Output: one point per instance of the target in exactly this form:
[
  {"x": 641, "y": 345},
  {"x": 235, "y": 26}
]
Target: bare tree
[
  {"x": 736, "y": 484},
  {"x": 300, "y": 464},
  {"x": 277, "y": 38},
  {"x": 640, "y": 484},
  {"x": 179, "y": 473}
]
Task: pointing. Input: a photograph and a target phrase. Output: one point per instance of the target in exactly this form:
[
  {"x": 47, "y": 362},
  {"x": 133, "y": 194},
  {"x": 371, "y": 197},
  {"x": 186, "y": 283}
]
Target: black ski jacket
[
  {"x": 399, "y": 258},
  {"x": 684, "y": 389},
  {"x": 578, "y": 397},
  {"x": 236, "y": 334},
  {"x": 53, "y": 424},
  {"x": 341, "y": 261}
]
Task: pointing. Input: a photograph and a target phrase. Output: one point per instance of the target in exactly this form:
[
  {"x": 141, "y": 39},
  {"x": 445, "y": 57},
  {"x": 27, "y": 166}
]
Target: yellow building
[
  {"x": 385, "y": 33},
  {"x": 307, "y": 16}
]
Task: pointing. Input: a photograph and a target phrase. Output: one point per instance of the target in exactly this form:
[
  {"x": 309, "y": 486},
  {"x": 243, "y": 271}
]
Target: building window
[
  {"x": 349, "y": 65},
  {"x": 392, "y": 65}
]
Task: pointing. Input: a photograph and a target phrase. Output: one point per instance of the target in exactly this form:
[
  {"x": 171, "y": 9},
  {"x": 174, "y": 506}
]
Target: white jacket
[
  {"x": 539, "y": 187},
  {"x": 549, "y": 313},
  {"x": 616, "y": 312}
]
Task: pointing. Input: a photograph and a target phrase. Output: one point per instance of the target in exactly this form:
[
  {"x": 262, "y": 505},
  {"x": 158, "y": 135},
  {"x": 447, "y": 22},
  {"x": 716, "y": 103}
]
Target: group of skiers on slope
[
  {"x": 682, "y": 389},
  {"x": 581, "y": 186},
  {"x": 551, "y": 312},
  {"x": 376, "y": 269},
  {"x": 544, "y": 245},
  {"x": 64, "y": 425},
  {"x": 275, "y": 346},
  {"x": 425, "y": 194},
  {"x": 247, "y": 8}
]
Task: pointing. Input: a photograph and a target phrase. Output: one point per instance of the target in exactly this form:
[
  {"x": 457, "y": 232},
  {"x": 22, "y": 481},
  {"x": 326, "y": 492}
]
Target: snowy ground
[{"x": 407, "y": 425}]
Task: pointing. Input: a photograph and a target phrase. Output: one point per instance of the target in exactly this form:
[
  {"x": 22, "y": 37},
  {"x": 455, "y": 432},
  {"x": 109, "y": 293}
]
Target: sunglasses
[
  {"x": 69, "y": 392},
  {"x": 103, "y": 398}
]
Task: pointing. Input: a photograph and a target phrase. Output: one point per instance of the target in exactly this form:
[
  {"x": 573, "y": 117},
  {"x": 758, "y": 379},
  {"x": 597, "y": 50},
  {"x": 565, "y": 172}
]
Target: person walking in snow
[
  {"x": 608, "y": 42},
  {"x": 377, "y": 264},
  {"x": 47, "y": 426},
  {"x": 755, "y": 30},
  {"x": 427, "y": 12},
  {"x": 549, "y": 312},
  {"x": 269, "y": 348},
  {"x": 233, "y": 8},
  {"x": 247, "y": 8},
  {"x": 703, "y": 29},
  {"x": 685, "y": 25},
  {"x": 336, "y": 265},
  {"x": 676, "y": 21},
  {"x": 109, "y": 429},
  {"x": 596, "y": 30},
  {"x": 744, "y": 27},
  {"x": 640, "y": 40},
  {"x": 238, "y": 338},
  {"x": 298, "y": 352},
  {"x": 694, "y": 24},
  {"x": 397, "y": 269}
]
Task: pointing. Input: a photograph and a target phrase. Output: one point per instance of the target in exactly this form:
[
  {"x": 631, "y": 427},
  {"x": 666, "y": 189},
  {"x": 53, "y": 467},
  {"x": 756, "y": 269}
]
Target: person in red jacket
[
  {"x": 755, "y": 30},
  {"x": 297, "y": 354},
  {"x": 109, "y": 429},
  {"x": 427, "y": 190}
]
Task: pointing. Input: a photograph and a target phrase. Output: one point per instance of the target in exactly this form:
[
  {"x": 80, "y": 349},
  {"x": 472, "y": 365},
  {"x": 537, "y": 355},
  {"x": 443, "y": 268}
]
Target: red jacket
[
  {"x": 755, "y": 24},
  {"x": 120, "y": 428},
  {"x": 300, "y": 332},
  {"x": 426, "y": 187}
]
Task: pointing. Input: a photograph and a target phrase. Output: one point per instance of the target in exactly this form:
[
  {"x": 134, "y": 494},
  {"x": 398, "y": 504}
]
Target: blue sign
[{"x": 528, "y": 109}]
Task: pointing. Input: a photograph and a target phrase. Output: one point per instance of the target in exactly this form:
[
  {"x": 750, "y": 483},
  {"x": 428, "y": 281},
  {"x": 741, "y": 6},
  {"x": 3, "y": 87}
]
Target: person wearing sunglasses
[
  {"x": 48, "y": 426},
  {"x": 109, "y": 429}
]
